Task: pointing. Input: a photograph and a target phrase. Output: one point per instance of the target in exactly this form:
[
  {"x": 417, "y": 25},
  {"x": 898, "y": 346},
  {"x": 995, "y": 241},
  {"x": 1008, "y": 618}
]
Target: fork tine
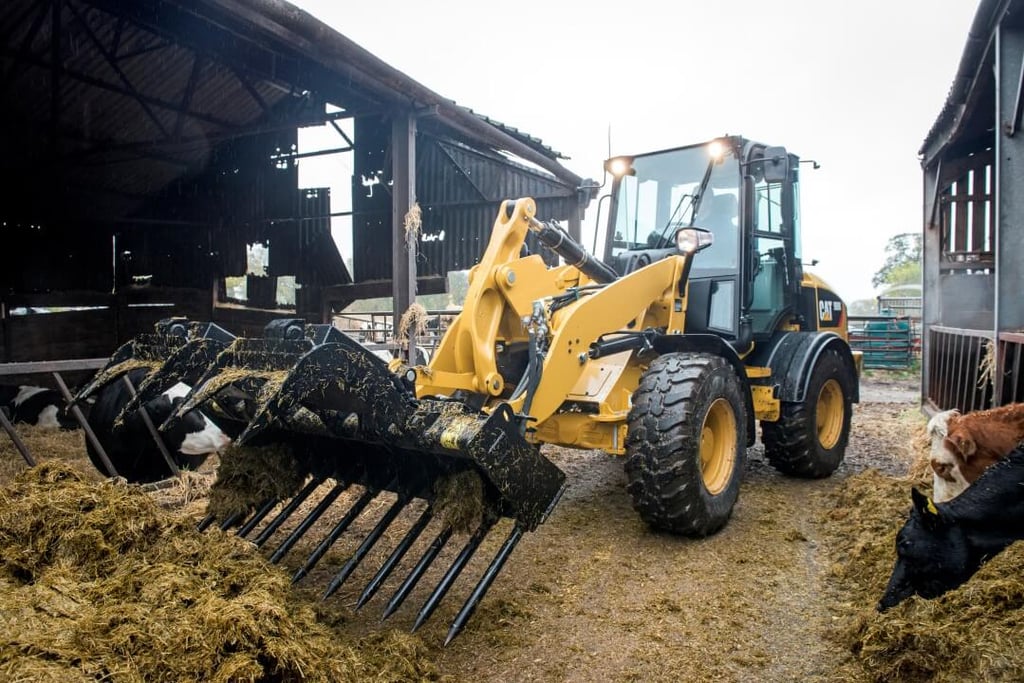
[
  {"x": 207, "y": 521},
  {"x": 339, "y": 528},
  {"x": 264, "y": 510},
  {"x": 417, "y": 572},
  {"x": 306, "y": 523},
  {"x": 287, "y": 511},
  {"x": 485, "y": 583},
  {"x": 367, "y": 544},
  {"x": 395, "y": 557},
  {"x": 232, "y": 520},
  {"x": 453, "y": 572}
]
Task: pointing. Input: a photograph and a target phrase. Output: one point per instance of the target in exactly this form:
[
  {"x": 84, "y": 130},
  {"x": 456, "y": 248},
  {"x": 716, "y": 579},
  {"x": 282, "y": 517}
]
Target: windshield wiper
[{"x": 694, "y": 205}]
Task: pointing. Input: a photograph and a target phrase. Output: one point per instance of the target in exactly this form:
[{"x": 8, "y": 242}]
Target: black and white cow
[
  {"x": 35, "y": 406},
  {"x": 130, "y": 445},
  {"x": 942, "y": 545}
]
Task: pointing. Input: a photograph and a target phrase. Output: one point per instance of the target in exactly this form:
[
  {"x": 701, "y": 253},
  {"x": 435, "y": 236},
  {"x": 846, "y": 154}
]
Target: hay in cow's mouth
[
  {"x": 970, "y": 633},
  {"x": 97, "y": 582}
]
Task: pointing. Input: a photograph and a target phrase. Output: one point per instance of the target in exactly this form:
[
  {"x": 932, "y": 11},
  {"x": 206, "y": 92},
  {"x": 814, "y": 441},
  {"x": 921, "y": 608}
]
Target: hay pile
[
  {"x": 68, "y": 446},
  {"x": 98, "y": 582},
  {"x": 459, "y": 500},
  {"x": 249, "y": 475},
  {"x": 971, "y": 633}
]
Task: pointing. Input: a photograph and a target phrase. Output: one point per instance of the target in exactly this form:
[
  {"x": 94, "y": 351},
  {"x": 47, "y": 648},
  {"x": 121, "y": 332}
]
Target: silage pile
[
  {"x": 98, "y": 582},
  {"x": 975, "y": 632},
  {"x": 250, "y": 475}
]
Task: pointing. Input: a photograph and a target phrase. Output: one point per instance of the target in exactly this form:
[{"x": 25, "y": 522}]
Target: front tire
[
  {"x": 686, "y": 445},
  {"x": 810, "y": 438}
]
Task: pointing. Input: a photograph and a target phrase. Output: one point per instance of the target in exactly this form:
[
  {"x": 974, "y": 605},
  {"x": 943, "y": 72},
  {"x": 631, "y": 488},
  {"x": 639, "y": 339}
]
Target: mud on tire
[
  {"x": 810, "y": 438},
  {"x": 686, "y": 445}
]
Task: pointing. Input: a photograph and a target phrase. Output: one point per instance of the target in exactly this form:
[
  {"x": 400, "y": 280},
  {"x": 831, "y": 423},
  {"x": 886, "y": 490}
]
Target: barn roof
[
  {"x": 964, "y": 116},
  {"x": 135, "y": 94}
]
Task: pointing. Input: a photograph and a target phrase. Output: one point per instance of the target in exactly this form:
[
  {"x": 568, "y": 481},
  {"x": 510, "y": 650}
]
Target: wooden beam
[
  {"x": 403, "y": 197},
  {"x": 340, "y": 296},
  {"x": 40, "y": 367}
]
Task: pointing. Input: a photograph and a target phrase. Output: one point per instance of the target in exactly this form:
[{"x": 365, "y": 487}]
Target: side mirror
[{"x": 776, "y": 164}]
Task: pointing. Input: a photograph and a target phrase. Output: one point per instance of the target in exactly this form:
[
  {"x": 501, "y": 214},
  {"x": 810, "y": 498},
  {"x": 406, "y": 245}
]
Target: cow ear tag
[{"x": 923, "y": 503}]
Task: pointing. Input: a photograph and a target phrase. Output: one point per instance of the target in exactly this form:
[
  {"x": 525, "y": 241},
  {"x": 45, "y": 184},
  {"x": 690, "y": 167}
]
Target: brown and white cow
[
  {"x": 964, "y": 446},
  {"x": 947, "y": 481}
]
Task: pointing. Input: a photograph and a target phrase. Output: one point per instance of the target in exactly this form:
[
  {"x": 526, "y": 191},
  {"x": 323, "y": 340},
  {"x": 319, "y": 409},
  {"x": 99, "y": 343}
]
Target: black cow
[
  {"x": 942, "y": 545},
  {"x": 35, "y": 406},
  {"x": 130, "y": 446}
]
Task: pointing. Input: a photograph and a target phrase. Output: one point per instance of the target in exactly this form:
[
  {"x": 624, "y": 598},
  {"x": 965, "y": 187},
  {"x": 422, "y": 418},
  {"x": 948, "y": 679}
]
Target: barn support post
[
  {"x": 1009, "y": 189},
  {"x": 403, "y": 196},
  {"x": 930, "y": 306}
]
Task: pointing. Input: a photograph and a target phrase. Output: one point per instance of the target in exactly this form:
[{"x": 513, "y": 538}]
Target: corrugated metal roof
[
  {"x": 127, "y": 68},
  {"x": 977, "y": 51}
]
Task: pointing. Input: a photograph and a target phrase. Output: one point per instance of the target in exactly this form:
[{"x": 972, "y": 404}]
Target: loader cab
[{"x": 746, "y": 284}]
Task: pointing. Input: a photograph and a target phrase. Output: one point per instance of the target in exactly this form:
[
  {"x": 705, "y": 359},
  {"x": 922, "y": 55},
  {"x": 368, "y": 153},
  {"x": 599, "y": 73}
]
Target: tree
[{"x": 902, "y": 261}]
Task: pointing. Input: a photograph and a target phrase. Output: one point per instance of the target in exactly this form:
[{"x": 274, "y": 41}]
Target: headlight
[
  {"x": 620, "y": 166},
  {"x": 692, "y": 240}
]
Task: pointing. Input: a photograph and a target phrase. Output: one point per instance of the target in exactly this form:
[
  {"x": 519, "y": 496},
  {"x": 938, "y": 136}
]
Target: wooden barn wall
[
  {"x": 50, "y": 330},
  {"x": 459, "y": 191},
  {"x": 198, "y": 227}
]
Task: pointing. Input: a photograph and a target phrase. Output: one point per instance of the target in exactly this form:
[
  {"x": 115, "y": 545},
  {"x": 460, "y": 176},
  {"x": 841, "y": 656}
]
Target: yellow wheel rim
[
  {"x": 830, "y": 414},
  {"x": 718, "y": 446}
]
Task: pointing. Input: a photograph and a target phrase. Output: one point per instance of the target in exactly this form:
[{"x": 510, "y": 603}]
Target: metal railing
[
  {"x": 886, "y": 341},
  {"x": 1011, "y": 359},
  {"x": 960, "y": 371},
  {"x": 374, "y": 329}
]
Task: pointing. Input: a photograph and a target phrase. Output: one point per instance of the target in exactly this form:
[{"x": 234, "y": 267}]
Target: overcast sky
[{"x": 853, "y": 85}]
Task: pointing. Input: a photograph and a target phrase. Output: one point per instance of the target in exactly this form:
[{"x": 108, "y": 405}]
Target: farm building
[
  {"x": 973, "y": 161},
  {"x": 153, "y": 151}
]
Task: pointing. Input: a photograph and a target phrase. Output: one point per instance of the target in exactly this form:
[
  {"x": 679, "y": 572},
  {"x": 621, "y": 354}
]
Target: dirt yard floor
[{"x": 784, "y": 593}]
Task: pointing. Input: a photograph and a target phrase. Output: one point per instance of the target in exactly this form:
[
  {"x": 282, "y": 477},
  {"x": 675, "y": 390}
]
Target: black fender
[
  {"x": 792, "y": 355},
  {"x": 713, "y": 344}
]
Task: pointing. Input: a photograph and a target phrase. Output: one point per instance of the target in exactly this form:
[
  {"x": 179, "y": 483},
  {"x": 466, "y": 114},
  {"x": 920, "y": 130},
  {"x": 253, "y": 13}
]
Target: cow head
[
  {"x": 948, "y": 480},
  {"x": 961, "y": 442},
  {"x": 194, "y": 434},
  {"x": 932, "y": 555}
]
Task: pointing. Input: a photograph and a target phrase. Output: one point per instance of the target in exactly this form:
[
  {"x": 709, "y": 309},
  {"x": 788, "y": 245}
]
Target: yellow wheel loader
[{"x": 697, "y": 322}]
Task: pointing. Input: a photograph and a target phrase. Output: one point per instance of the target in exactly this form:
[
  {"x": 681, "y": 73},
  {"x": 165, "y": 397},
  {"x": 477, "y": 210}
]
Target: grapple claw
[{"x": 347, "y": 417}]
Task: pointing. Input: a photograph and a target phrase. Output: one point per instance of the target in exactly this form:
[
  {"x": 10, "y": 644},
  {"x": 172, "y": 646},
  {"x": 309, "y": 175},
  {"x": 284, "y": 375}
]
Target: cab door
[{"x": 774, "y": 266}]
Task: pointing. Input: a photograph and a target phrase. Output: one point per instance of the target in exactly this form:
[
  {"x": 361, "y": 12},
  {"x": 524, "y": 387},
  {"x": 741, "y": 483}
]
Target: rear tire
[
  {"x": 686, "y": 446},
  {"x": 810, "y": 438}
]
